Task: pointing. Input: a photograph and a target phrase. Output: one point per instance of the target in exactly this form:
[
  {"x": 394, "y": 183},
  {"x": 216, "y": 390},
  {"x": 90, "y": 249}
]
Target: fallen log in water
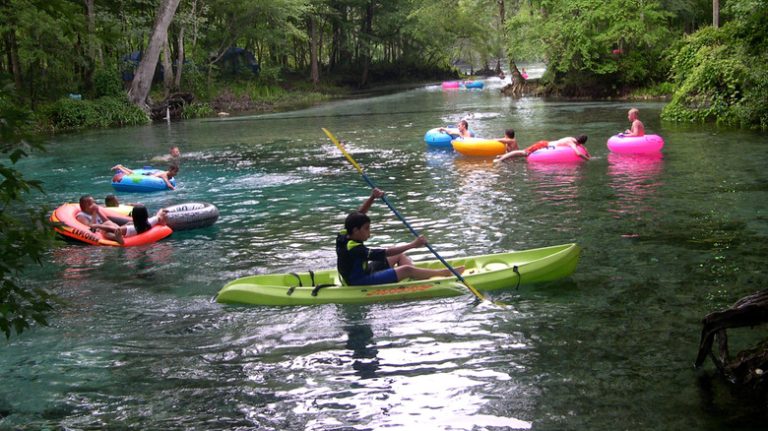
[{"x": 750, "y": 367}]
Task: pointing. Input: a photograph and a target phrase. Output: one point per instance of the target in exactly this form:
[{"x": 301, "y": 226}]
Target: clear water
[{"x": 140, "y": 344}]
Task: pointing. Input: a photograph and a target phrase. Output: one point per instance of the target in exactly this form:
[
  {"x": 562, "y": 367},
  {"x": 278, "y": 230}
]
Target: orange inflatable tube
[{"x": 66, "y": 224}]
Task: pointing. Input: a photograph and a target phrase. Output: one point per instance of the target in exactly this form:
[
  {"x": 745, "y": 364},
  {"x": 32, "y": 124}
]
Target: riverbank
[{"x": 221, "y": 99}]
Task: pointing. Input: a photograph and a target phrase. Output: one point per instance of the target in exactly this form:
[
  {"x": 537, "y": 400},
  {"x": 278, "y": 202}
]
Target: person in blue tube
[{"x": 461, "y": 132}]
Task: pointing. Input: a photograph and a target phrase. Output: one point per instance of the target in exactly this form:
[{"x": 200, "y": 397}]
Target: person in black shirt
[{"x": 360, "y": 265}]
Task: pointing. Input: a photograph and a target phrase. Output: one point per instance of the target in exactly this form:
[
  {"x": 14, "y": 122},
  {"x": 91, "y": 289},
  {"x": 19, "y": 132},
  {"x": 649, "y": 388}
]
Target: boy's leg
[
  {"x": 416, "y": 273},
  {"x": 399, "y": 260}
]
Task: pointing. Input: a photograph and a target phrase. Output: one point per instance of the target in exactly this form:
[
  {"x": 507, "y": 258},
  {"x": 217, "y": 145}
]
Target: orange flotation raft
[{"x": 65, "y": 222}]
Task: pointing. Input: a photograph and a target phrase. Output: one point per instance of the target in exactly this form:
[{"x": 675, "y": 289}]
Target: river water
[{"x": 139, "y": 343}]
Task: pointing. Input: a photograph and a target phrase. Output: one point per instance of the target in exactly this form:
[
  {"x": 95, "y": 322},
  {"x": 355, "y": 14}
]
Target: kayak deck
[{"x": 485, "y": 273}]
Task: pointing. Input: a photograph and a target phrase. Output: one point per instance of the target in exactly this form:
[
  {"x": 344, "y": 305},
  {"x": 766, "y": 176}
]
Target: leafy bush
[
  {"x": 118, "y": 111},
  {"x": 24, "y": 232},
  {"x": 67, "y": 114},
  {"x": 107, "y": 82},
  {"x": 195, "y": 81},
  {"x": 269, "y": 74},
  {"x": 197, "y": 110},
  {"x": 718, "y": 80}
]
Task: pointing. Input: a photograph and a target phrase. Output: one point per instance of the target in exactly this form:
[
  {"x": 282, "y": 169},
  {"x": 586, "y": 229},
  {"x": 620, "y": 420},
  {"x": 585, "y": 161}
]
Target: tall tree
[
  {"x": 366, "y": 39},
  {"x": 313, "y": 51},
  {"x": 142, "y": 81}
]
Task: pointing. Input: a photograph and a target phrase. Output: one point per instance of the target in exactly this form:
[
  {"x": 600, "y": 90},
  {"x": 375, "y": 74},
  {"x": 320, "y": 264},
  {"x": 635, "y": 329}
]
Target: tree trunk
[
  {"x": 179, "y": 59},
  {"x": 366, "y": 41},
  {"x": 715, "y": 13},
  {"x": 167, "y": 69},
  {"x": 142, "y": 81},
  {"x": 90, "y": 42},
  {"x": 313, "y": 54},
  {"x": 12, "y": 48}
]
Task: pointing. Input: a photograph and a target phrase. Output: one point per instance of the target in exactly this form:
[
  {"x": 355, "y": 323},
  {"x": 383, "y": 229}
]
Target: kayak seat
[
  {"x": 495, "y": 265},
  {"x": 291, "y": 278}
]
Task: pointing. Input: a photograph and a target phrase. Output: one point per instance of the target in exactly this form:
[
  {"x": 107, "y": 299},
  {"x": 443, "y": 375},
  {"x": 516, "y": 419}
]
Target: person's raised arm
[{"x": 375, "y": 194}]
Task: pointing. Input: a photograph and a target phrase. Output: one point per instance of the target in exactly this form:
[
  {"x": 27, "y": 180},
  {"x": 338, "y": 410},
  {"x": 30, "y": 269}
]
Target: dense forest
[
  {"x": 710, "y": 55},
  {"x": 70, "y": 65}
]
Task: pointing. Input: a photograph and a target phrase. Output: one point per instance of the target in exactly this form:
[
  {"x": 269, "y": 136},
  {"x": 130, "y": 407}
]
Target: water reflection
[
  {"x": 78, "y": 262},
  {"x": 483, "y": 200},
  {"x": 556, "y": 183},
  {"x": 145, "y": 261},
  {"x": 634, "y": 180},
  {"x": 361, "y": 343}
]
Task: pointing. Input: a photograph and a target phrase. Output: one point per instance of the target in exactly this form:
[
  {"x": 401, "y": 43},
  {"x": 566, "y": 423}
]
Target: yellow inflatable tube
[{"x": 478, "y": 147}]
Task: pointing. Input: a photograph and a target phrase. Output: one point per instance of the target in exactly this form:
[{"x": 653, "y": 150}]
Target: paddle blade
[{"x": 343, "y": 150}]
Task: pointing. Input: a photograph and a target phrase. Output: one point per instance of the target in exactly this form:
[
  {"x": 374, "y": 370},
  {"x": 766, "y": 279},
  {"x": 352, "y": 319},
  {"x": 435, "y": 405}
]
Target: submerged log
[{"x": 750, "y": 366}]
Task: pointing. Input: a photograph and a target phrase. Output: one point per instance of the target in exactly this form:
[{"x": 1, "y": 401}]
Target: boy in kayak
[
  {"x": 637, "y": 128},
  {"x": 360, "y": 265},
  {"x": 577, "y": 144}
]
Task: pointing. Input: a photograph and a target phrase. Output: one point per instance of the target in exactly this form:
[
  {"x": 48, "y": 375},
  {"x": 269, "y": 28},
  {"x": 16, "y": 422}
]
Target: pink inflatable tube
[
  {"x": 554, "y": 155},
  {"x": 451, "y": 84},
  {"x": 635, "y": 144}
]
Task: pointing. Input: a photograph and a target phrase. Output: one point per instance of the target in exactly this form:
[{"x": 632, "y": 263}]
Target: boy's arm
[
  {"x": 416, "y": 243},
  {"x": 168, "y": 184},
  {"x": 375, "y": 194}
]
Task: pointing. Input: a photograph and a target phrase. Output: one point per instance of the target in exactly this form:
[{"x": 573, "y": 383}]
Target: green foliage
[
  {"x": 597, "y": 48},
  {"x": 118, "y": 111},
  {"x": 24, "y": 232},
  {"x": 661, "y": 89},
  {"x": 45, "y": 33},
  {"x": 194, "y": 80},
  {"x": 197, "y": 110},
  {"x": 269, "y": 75},
  {"x": 718, "y": 75},
  {"x": 68, "y": 115},
  {"x": 106, "y": 82}
]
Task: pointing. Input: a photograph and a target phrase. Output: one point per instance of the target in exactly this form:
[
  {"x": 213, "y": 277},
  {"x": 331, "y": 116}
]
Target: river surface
[{"x": 139, "y": 342}]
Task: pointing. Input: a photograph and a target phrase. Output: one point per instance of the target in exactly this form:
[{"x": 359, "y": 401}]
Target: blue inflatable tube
[
  {"x": 473, "y": 84},
  {"x": 140, "y": 181},
  {"x": 436, "y": 138}
]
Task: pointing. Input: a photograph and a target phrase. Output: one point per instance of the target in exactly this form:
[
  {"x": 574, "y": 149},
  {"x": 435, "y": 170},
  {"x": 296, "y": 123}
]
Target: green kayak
[{"x": 486, "y": 272}]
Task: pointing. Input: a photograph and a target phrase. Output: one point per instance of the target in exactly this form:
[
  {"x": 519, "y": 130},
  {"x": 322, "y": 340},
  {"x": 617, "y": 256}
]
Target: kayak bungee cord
[{"x": 338, "y": 144}]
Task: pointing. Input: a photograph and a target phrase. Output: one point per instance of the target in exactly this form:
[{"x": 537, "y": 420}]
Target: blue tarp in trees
[
  {"x": 131, "y": 62},
  {"x": 234, "y": 57}
]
